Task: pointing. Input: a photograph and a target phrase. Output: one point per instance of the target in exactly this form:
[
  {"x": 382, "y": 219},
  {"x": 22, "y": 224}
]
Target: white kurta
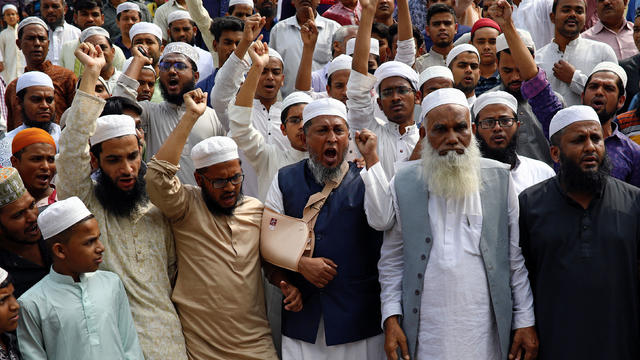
[
  {"x": 57, "y": 38},
  {"x": 205, "y": 63},
  {"x": 10, "y": 55},
  {"x": 530, "y": 172},
  {"x": 583, "y": 54},
  {"x": 533, "y": 16},
  {"x": 456, "y": 316}
]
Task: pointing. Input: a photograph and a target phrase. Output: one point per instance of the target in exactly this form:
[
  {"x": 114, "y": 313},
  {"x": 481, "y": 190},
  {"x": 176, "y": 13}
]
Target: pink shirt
[
  {"x": 621, "y": 42},
  {"x": 343, "y": 15}
]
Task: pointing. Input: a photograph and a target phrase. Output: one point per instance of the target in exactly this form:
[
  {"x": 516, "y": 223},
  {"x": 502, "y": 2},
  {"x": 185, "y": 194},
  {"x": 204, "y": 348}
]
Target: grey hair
[{"x": 341, "y": 33}]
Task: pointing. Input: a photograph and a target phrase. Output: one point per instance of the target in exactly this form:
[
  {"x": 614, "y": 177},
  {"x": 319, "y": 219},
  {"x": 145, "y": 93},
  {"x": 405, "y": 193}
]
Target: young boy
[
  {"x": 75, "y": 312},
  {"x": 8, "y": 318},
  {"x": 11, "y": 59}
]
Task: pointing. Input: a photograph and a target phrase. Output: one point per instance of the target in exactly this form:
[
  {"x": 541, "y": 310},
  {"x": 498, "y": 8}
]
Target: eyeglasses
[
  {"x": 165, "y": 66},
  {"x": 401, "y": 90},
  {"x": 220, "y": 183},
  {"x": 491, "y": 123}
]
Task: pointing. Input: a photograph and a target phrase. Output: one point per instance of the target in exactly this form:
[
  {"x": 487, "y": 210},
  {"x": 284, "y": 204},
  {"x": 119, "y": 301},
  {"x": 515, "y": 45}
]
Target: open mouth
[
  {"x": 571, "y": 22},
  {"x": 98, "y": 260},
  {"x": 269, "y": 87},
  {"x": 32, "y": 230},
  {"x": 14, "y": 318},
  {"x": 126, "y": 183},
  {"x": 43, "y": 178},
  {"x": 330, "y": 155},
  {"x": 498, "y": 139},
  {"x": 173, "y": 84},
  {"x": 468, "y": 79},
  {"x": 590, "y": 161},
  {"x": 597, "y": 104}
]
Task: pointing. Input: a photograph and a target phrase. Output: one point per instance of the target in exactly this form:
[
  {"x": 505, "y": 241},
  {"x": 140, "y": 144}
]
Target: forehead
[
  {"x": 10, "y": 12},
  {"x": 120, "y": 146},
  {"x": 327, "y": 120},
  {"x": 231, "y": 34},
  {"x": 438, "y": 81},
  {"x": 87, "y": 228},
  {"x": 51, "y": 2},
  {"x": 274, "y": 64},
  {"x": 224, "y": 169},
  {"x": 447, "y": 114},
  {"x": 494, "y": 110},
  {"x": 175, "y": 57},
  {"x": 129, "y": 13},
  {"x": 39, "y": 148},
  {"x": 146, "y": 38},
  {"x": 394, "y": 81},
  {"x": 243, "y": 8},
  {"x": 146, "y": 74},
  {"x": 181, "y": 23},
  {"x": 98, "y": 40},
  {"x": 570, "y": 3},
  {"x": 465, "y": 57},
  {"x": 604, "y": 77},
  {"x": 34, "y": 29},
  {"x": 18, "y": 205},
  {"x": 582, "y": 127},
  {"x": 97, "y": 8},
  {"x": 340, "y": 75},
  {"x": 295, "y": 110},
  {"x": 486, "y": 32},
  {"x": 38, "y": 91},
  {"x": 443, "y": 16}
]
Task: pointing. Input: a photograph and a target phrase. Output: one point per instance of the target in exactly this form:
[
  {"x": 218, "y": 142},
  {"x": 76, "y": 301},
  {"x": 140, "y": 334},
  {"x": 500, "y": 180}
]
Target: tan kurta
[{"x": 219, "y": 292}]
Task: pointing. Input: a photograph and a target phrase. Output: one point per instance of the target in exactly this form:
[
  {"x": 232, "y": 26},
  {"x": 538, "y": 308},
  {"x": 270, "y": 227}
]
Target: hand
[
  {"x": 318, "y": 271},
  {"x": 367, "y": 143},
  {"x": 360, "y": 163},
  {"x": 393, "y": 338},
  {"x": 252, "y": 27},
  {"x": 524, "y": 339},
  {"x": 90, "y": 56},
  {"x": 309, "y": 32},
  {"x": 259, "y": 53},
  {"x": 292, "y": 297},
  {"x": 370, "y": 5},
  {"x": 563, "y": 71},
  {"x": 500, "y": 12},
  {"x": 416, "y": 154},
  {"x": 137, "y": 55},
  {"x": 196, "y": 102}
]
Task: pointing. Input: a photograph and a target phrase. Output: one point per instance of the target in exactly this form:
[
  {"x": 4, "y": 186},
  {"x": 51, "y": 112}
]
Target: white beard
[{"x": 452, "y": 175}]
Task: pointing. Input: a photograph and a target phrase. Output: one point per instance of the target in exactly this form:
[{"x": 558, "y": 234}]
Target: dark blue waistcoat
[{"x": 350, "y": 303}]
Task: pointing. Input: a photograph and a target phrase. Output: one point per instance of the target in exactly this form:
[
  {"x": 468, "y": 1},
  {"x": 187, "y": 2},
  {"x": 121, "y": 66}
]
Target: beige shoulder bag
[{"x": 285, "y": 239}]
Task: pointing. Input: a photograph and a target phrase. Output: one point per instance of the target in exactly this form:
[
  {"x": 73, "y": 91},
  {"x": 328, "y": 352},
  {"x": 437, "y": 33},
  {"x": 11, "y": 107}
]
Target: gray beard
[
  {"x": 452, "y": 175},
  {"x": 322, "y": 174}
]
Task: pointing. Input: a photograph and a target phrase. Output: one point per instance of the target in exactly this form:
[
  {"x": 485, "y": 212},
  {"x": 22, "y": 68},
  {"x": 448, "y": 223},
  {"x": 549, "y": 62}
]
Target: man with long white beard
[{"x": 452, "y": 274}]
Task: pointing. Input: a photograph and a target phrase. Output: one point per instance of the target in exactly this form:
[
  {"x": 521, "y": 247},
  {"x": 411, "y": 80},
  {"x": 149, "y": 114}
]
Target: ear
[
  {"x": 102, "y": 17},
  {"x": 422, "y": 131},
  {"x": 326, "y": 87},
  {"x": 215, "y": 45},
  {"x": 379, "y": 102},
  {"x": 621, "y": 101},
  {"x": 18, "y": 42},
  {"x": 552, "y": 16},
  {"x": 95, "y": 163},
  {"x": 196, "y": 76},
  {"x": 417, "y": 97},
  {"x": 75, "y": 18},
  {"x": 14, "y": 161},
  {"x": 283, "y": 128},
  {"x": 161, "y": 47},
  {"x": 59, "y": 251},
  {"x": 555, "y": 153},
  {"x": 198, "y": 179},
  {"x": 195, "y": 30},
  {"x": 473, "y": 127}
]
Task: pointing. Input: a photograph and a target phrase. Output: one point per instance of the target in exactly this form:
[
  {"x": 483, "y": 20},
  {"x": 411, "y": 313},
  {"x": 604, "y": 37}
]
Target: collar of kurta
[
  {"x": 44, "y": 67},
  {"x": 319, "y": 20},
  {"x": 66, "y": 279},
  {"x": 571, "y": 43}
]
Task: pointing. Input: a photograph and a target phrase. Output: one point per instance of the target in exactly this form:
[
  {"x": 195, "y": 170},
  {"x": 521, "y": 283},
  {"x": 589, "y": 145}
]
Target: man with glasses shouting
[{"x": 496, "y": 127}]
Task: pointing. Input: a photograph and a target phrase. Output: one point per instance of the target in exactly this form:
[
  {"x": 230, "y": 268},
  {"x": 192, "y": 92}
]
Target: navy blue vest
[{"x": 350, "y": 303}]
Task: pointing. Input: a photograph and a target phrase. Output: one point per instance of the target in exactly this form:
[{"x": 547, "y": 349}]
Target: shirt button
[
  {"x": 417, "y": 292},
  {"x": 419, "y": 276},
  {"x": 428, "y": 240},
  {"x": 401, "y": 151},
  {"x": 585, "y": 227},
  {"x": 415, "y": 311},
  {"x": 423, "y": 257}
]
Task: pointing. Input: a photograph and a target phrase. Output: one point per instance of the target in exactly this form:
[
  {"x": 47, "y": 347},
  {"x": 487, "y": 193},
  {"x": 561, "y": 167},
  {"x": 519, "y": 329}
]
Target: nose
[
  {"x": 32, "y": 215},
  {"x": 229, "y": 186},
  {"x": 99, "y": 247},
  {"x": 13, "y": 304}
]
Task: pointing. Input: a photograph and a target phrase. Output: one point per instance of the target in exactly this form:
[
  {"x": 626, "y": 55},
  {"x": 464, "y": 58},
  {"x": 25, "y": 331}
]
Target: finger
[
  {"x": 515, "y": 347},
  {"x": 392, "y": 354},
  {"x": 404, "y": 348},
  {"x": 330, "y": 262},
  {"x": 310, "y": 13}
]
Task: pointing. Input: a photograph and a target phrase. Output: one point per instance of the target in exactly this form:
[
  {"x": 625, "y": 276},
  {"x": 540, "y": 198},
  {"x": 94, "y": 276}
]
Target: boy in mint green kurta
[{"x": 76, "y": 312}]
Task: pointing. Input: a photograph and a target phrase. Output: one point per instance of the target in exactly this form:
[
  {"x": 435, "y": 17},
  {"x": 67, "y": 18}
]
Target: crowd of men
[{"x": 368, "y": 179}]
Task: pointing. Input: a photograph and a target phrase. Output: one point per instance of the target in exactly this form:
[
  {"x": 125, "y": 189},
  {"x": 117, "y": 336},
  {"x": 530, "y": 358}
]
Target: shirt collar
[
  {"x": 396, "y": 128},
  {"x": 599, "y": 27},
  {"x": 319, "y": 20},
  {"x": 66, "y": 279},
  {"x": 44, "y": 67}
]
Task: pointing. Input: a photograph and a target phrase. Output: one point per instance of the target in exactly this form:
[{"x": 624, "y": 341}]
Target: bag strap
[{"x": 315, "y": 203}]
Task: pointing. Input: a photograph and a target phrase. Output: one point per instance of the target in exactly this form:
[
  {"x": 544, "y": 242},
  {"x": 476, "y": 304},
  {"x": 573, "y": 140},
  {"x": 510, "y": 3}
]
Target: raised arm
[
  {"x": 309, "y": 35},
  {"x": 363, "y": 37},
  {"x": 406, "y": 52}
]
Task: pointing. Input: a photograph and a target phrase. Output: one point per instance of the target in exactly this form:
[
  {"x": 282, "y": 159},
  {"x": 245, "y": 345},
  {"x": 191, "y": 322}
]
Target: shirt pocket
[{"x": 471, "y": 229}]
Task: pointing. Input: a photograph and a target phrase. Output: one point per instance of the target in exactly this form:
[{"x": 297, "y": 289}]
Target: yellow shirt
[{"x": 219, "y": 292}]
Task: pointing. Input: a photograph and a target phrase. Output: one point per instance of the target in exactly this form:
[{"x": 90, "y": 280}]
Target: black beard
[
  {"x": 267, "y": 11},
  {"x": 46, "y": 126},
  {"x": 55, "y": 24},
  {"x": 191, "y": 42},
  {"x": 442, "y": 43},
  {"x": 117, "y": 201},
  {"x": 506, "y": 155},
  {"x": 516, "y": 94},
  {"x": 9, "y": 237},
  {"x": 215, "y": 209},
  {"x": 467, "y": 90},
  {"x": 176, "y": 99},
  {"x": 605, "y": 116},
  {"x": 576, "y": 180}
]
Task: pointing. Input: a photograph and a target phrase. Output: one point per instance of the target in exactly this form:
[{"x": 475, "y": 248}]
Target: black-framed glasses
[
  {"x": 491, "y": 123},
  {"x": 401, "y": 90},
  {"x": 220, "y": 183},
  {"x": 165, "y": 66}
]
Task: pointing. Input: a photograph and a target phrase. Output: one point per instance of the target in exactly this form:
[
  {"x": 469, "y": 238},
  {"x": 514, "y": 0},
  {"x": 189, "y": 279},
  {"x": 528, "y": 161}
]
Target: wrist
[
  {"x": 390, "y": 321},
  {"x": 371, "y": 160}
]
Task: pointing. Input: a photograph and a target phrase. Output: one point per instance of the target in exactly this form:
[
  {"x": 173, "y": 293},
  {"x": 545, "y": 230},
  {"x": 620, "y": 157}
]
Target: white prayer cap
[
  {"x": 432, "y": 72},
  {"x": 127, "y": 62},
  {"x": 9, "y": 7},
  {"x": 395, "y": 68},
  {"x": 93, "y": 30},
  {"x": 3, "y": 273},
  {"x": 11, "y": 186},
  {"x": 342, "y": 62},
  {"x": 442, "y": 97},
  {"x": 459, "y": 50},
  {"x": 61, "y": 215},
  {"x": 525, "y": 36},
  {"x": 178, "y": 15},
  {"x": 33, "y": 78},
  {"x": 145, "y": 28},
  {"x": 30, "y": 21},
  {"x": 495, "y": 97},
  {"x": 112, "y": 126},
  {"x": 214, "y": 150},
  {"x": 127, "y": 6},
  {"x": 326, "y": 106},
  {"x": 181, "y": 48},
  {"x": 568, "y": 116},
  {"x": 614, "y": 68},
  {"x": 374, "y": 47},
  {"x": 241, "y": 2},
  {"x": 296, "y": 97},
  {"x": 274, "y": 54}
]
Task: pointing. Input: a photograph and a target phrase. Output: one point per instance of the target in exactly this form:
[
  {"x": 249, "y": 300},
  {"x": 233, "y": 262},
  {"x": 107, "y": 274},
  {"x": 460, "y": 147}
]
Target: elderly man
[
  {"x": 496, "y": 125},
  {"x": 33, "y": 41},
  {"x": 137, "y": 238},
  {"x": 340, "y": 315},
  {"x": 397, "y": 86},
  {"x": 52, "y": 12},
  {"x": 86, "y": 14},
  {"x": 471, "y": 246},
  {"x": 285, "y": 39},
  {"x": 127, "y": 15},
  {"x": 178, "y": 75},
  {"x": 613, "y": 29},
  {"x": 183, "y": 29},
  {"x": 579, "y": 236},
  {"x": 219, "y": 291},
  {"x": 34, "y": 154},
  {"x": 569, "y": 57},
  {"x": 22, "y": 250},
  {"x": 37, "y": 103},
  {"x": 464, "y": 62}
]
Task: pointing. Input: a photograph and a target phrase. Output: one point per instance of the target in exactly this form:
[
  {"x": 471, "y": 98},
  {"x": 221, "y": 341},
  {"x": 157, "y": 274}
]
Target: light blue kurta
[{"x": 64, "y": 320}]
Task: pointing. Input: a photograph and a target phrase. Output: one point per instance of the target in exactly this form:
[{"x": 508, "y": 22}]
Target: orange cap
[{"x": 30, "y": 136}]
